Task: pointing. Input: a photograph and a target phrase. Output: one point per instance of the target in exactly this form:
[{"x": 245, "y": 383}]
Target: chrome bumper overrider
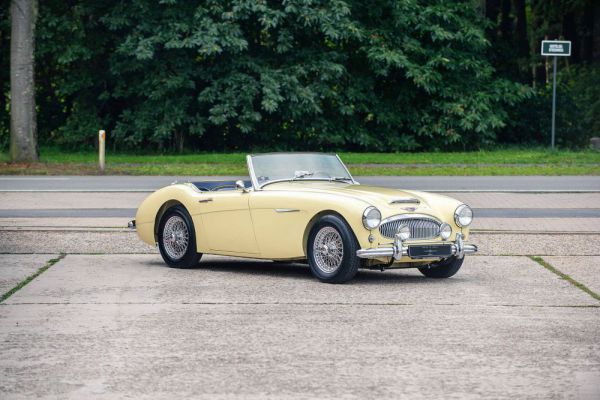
[{"x": 398, "y": 249}]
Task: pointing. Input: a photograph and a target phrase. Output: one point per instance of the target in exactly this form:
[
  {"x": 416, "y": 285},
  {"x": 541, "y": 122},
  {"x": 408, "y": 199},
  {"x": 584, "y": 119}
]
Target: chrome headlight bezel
[
  {"x": 465, "y": 213},
  {"x": 370, "y": 216}
]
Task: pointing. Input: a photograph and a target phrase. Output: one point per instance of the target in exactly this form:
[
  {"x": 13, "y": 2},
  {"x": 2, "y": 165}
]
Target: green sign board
[
  {"x": 561, "y": 48},
  {"x": 555, "y": 48}
]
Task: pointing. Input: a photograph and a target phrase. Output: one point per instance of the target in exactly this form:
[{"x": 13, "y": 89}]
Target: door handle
[{"x": 205, "y": 200}]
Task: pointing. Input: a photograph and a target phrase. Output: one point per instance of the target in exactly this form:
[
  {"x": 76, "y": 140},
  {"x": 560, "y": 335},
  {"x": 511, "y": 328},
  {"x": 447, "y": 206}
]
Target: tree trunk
[
  {"x": 505, "y": 21},
  {"x": 23, "y": 118},
  {"x": 492, "y": 9},
  {"x": 521, "y": 28}
]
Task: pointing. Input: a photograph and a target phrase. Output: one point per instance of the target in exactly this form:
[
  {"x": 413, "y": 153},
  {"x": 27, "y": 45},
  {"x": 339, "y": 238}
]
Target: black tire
[
  {"x": 442, "y": 269},
  {"x": 191, "y": 257},
  {"x": 348, "y": 267}
]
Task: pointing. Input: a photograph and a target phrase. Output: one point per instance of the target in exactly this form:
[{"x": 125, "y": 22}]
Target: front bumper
[{"x": 398, "y": 250}]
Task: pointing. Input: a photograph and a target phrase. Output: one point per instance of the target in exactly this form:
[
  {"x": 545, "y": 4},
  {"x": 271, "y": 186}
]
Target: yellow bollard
[{"x": 101, "y": 149}]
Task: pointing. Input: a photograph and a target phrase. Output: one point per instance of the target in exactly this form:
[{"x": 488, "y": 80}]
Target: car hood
[{"x": 388, "y": 200}]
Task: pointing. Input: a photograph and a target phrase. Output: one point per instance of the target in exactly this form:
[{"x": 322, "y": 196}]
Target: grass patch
[
  {"x": 241, "y": 170},
  {"x": 31, "y": 277},
  {"x": 499, "y": 162},
  {"x": 478, "y": 170},
  {"x": 502, "y": 156},
  {"x": 566, "y": 277}
]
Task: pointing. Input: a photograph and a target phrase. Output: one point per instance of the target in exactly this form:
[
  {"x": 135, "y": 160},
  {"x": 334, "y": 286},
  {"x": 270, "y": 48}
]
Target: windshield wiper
[
  {"x": 302, "y": 174},
  {"x": 340, "y": 179}
]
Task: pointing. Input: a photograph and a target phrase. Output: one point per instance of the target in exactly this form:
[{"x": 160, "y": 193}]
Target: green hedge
[{"x": 294, "y": 75}]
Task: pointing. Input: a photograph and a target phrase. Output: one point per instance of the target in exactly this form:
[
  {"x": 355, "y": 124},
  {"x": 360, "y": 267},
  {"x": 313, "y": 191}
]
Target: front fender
[
  {"x": 283, "y": 219},
  {"x": 150, "y": 211}
]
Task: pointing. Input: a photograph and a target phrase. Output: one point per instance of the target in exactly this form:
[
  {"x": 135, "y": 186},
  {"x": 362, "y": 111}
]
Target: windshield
[{"x": 270, "y": 168}]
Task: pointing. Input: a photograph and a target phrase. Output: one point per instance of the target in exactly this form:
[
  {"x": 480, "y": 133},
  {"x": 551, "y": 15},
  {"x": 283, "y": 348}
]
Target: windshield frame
[{"x": 258, "y": 186}]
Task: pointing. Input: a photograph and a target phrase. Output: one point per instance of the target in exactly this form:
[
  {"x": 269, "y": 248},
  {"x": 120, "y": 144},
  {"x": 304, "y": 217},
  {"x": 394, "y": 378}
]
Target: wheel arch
[
  {"x": 161, "y": 211},
  {"x": 314, "y": 220}
]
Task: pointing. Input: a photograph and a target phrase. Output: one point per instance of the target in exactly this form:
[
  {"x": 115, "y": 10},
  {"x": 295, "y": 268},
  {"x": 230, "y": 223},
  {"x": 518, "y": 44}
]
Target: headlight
[
  {"x": 403, "y": 232},
  {"x": 463, "y": 216},
  {"x": 445, "y": 231},
  {"x": 371, "y": 218}
]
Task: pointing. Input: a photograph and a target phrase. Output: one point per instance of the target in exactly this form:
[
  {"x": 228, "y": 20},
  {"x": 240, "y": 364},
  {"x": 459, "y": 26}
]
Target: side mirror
[{"x": 239, "y": 185}]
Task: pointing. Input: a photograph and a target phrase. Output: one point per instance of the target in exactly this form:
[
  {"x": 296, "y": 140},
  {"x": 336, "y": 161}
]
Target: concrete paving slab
[
  {"x": 538, "y": 225},
  {"x": 14, "y": 268},
  {"x": 528, "y": 200},
  {"x": 71, "y": 241},
  {"x": 537, "y": 244},
  {"x": 58, "y": 200},
  {"x": 63, "y": 223},
  {"x": 285, "y": 351},
  {"x": 509, "y": 281},
  {"x": 106, "y": 326},
  {"x": 585, "y": 270}
]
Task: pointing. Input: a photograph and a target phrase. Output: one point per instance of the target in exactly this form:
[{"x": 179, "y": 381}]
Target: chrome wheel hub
[
  {"x": 175, "y": 237},
  {"x": 328, "y": 249}
]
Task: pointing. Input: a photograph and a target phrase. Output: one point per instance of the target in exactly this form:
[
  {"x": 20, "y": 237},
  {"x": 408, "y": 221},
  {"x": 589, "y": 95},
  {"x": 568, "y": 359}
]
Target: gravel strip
[{"x": 124, "y": 242}]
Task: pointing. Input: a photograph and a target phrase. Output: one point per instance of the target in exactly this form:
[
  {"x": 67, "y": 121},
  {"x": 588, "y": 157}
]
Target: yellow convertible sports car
[{"x": 307, "y": 206}]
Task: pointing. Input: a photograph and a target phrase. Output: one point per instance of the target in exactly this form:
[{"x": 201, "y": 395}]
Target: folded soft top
[{"x": 213, "y": 186}]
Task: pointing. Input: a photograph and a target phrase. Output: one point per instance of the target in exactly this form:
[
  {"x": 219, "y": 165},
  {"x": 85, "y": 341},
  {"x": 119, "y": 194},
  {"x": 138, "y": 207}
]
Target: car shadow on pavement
[
  {"x": 251, "y": 267},
  {"x": 397, "y": 276},
  {"x": 295, "y": 270}
]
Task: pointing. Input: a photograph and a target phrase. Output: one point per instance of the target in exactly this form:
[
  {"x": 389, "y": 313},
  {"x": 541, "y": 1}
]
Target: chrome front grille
[{"x": 420, "y": 227}]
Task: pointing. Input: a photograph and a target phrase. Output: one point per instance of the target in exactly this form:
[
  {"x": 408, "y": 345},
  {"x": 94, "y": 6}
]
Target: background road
[
  {"x": 491, "y": 197},
  {"x": 431, "y": 183}
]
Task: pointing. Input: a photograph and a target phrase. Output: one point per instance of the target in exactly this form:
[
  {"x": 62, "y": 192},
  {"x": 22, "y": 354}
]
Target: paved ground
[
  {"x": 124, "y": 204},
  {"x": 431, "y": 183},
  {"x": 109, "y": 326},
  {"x": 109, "y": 320}
]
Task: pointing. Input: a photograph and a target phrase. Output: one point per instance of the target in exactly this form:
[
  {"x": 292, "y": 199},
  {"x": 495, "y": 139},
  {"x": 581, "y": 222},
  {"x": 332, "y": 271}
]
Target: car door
[
  {"x": 280, "y": 220},
  {"x": 227, "y": 222}
]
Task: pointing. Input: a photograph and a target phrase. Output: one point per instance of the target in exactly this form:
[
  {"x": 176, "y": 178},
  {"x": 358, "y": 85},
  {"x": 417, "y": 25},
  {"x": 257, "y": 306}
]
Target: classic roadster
[{"x": 307, "y": 206}]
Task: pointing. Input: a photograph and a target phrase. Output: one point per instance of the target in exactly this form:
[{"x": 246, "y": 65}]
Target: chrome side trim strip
[{"x": 286, "y": 210}]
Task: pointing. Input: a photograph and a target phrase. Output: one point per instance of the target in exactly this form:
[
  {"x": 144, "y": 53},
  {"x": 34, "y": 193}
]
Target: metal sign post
[{"x": 555, "y": 48}]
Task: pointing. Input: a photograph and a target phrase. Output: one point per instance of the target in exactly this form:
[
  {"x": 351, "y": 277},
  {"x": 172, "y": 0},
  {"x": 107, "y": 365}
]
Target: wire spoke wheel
[
  {"x": 328, "y": 249},
  {"x": 175, "y": 237}
]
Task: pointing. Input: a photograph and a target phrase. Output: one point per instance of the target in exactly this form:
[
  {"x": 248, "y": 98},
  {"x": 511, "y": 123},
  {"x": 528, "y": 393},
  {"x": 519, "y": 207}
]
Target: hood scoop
[{"x": 405, "y": 200}]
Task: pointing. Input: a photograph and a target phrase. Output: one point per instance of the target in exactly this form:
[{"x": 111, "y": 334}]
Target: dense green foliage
[
  {"x": 577, "y": 111},
  {"x": 518, "y": 27},
  {"x": 382, "y": 75}
]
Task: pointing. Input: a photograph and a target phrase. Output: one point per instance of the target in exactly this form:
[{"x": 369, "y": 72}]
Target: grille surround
[{"x": 421, "y": 226}]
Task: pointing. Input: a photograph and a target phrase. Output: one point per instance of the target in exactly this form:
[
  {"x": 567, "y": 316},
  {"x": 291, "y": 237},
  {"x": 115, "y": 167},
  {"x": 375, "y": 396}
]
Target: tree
[
  {"x": 23, "y": 119},
  {"x": 302, "y": 74}
]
